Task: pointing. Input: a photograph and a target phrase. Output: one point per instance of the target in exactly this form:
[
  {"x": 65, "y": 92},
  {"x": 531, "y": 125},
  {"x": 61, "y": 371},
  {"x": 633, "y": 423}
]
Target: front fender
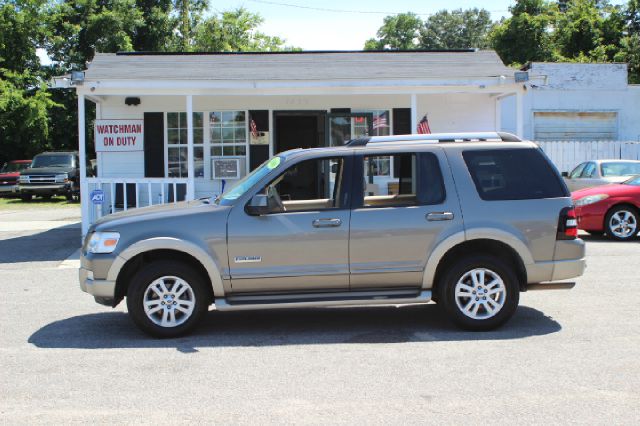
[{"x": 169, "y": 243}]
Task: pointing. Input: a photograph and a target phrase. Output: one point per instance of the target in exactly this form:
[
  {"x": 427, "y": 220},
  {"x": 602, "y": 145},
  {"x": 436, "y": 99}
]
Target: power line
[{"x": 324, "y": 9}]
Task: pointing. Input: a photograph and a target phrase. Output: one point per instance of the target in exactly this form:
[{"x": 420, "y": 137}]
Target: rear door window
[{"x": 513, "y": 174}]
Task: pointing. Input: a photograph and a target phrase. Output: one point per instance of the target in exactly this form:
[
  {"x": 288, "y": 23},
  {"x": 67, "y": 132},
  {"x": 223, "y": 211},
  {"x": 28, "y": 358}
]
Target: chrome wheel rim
[
  {"x": 623, "y": 224},
  {"x": 480, "y": 293},
  {"x": 169, "y": 301}
]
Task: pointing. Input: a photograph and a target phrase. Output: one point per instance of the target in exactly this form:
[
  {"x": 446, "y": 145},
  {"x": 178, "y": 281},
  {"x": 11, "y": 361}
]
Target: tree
[
  {"x": 24, "y": 100},
  {"x": 234, "y": 31},
  {"x": 588, "y": 30},
  {"x": 399, "y": 32},
  {"x": 156, "y": 32},
  {"x": 458, "y": 29},
  {"x": 526, "y": 35}
]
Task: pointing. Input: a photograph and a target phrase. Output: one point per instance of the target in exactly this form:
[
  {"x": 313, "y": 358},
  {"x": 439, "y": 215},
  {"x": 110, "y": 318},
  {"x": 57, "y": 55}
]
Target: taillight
[{"x": 568, "y": 224}]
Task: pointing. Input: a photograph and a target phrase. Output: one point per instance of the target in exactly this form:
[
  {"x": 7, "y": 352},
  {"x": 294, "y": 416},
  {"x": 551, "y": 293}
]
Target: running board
[
  {"x": 251, "y": 302},
  {"x": 551, "y": 286}
]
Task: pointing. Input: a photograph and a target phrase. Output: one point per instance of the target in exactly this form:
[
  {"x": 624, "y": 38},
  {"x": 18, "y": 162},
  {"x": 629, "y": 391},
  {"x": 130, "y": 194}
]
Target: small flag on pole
[
  {"x": 423, "y": 126},
  {"x": 254, "y": 129}
]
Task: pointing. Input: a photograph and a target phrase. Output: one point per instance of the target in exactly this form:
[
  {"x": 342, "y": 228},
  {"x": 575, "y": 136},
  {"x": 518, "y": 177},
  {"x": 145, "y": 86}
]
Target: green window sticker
[{"x": 273, "y": 163}]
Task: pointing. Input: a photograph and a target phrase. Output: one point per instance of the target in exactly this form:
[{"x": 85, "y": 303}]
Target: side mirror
[
  {"x": 565, "y": 174},
  {"x": 258, "y": 205}
]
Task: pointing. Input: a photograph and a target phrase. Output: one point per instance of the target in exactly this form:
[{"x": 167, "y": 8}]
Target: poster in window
[{"x": 225, "y": 168}]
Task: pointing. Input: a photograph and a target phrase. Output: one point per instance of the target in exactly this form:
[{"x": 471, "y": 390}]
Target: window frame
[
  {"x": 179, "y": 146},
  {"x": 357, "y": 179},
  {"x": 580, "y": 166},
  {"x": 343, "y": 196}
]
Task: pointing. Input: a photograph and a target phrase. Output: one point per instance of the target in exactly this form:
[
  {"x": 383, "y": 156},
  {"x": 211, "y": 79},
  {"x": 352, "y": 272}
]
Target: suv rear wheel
[
  {"x": 479, "y": 292},
  {"x": 167, "y": 298}
]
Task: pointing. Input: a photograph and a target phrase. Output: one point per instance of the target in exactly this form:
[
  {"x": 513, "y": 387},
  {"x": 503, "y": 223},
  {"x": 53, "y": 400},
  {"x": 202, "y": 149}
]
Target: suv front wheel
[
  {"x": 167, "y": 298},
  {"x": 479, "y": 292}
]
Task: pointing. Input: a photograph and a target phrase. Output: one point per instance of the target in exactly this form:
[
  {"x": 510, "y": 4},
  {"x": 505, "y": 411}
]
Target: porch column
[
  {"x": 82, "y": 150},
  {"x": 498, "y": 112},
  {"x": 190, "y": 163},
  {"x": 519, "y": 115},
  {"x": 414, "y": 114}
]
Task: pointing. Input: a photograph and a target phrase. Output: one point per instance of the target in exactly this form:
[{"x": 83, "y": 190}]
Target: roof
[{"x": 347, "y": 65}]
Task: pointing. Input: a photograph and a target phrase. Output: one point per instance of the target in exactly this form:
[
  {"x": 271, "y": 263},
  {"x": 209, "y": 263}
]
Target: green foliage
[
  {"x": 234, "y": 31},
  {"x": 526, "y": 35},
  {"x": 399, "y": 32},
  {"x": 458, "y": 29}
]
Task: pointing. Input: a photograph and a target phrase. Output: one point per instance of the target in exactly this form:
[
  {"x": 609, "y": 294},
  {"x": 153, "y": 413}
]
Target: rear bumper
[{"x": 565, "y": 269}]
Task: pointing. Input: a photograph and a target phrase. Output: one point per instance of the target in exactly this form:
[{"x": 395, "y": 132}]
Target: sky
[{"x": 352, "y": 22}]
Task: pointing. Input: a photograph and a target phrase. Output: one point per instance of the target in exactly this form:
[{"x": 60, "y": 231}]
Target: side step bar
[
  {"x": 283, "y": 301},
  {"x": 551, "y": 286}
]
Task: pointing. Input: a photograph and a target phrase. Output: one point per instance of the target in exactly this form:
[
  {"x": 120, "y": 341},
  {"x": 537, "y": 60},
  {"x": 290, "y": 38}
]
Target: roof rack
[{"x": 437, "y": 138}]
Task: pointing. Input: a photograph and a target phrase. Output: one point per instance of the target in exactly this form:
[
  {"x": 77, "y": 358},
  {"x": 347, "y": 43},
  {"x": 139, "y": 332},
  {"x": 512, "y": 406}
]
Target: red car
[
  {"x": 611, "y": 209},
  {"x": 9, "y": 174}
]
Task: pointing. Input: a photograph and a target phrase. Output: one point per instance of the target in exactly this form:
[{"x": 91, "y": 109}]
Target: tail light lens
[{"x": 568, "y": 224}]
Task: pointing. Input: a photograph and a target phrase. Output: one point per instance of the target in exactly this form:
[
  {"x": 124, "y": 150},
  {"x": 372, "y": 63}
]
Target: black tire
[
  {"x": 69, "y": 196},
  {"x": 26, "y": 197},
  {"x": 446, "y": 289},
  {"x": 140, "y": 284},
  {"x": 612, "y": 232}
]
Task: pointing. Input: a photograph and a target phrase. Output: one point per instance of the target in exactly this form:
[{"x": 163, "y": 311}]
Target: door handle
[
  {"x": 437, "y": 216},
  {"x": 326, "y": 223}
]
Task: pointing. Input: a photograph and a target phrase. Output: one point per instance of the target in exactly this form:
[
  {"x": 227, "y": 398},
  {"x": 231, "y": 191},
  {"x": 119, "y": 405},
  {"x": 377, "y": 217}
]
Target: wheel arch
[
  {"x": 454, "y": 248},
  {"x": 131, "y": 259}
]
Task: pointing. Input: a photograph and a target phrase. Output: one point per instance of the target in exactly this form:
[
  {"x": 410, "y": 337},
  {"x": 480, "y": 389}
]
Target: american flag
[
  {"x": 380, "y": 121},
  {"x": 423, "y": 126},
  {"x": 254, "y": 129}
]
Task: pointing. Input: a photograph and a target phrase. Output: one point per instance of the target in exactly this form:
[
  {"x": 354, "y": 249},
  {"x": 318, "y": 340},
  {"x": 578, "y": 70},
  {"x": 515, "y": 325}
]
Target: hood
[
  {"x": 611, "y": 190},
  {"x": 9, "y": 176},
  {"x": 46, "y": 170},
  {"x": 153, "y": 212}
]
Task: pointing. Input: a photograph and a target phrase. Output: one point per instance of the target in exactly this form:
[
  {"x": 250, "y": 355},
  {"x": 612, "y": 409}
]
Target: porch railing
[{"x": 110, "y": 195}]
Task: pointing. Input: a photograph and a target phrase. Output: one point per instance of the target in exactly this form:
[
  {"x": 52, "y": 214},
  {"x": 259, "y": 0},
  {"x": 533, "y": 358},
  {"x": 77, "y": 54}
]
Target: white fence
[
  {"x": 110, "y": 195},
  {"x": 568, "y": 154}
]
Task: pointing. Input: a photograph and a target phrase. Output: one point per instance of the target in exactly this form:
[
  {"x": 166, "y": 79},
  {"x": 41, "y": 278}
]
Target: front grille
[{"x": 40, "y": 179}]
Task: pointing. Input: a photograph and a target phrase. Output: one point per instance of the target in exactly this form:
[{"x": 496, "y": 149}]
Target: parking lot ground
[{"x": 566, "y": 356}]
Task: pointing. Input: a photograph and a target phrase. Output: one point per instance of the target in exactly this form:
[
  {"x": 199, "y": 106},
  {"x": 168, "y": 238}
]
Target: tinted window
[
  {"x": 416, "y": 180},
  {"x": 513, "y": 174},
  {"x": 53, "y": 160}
]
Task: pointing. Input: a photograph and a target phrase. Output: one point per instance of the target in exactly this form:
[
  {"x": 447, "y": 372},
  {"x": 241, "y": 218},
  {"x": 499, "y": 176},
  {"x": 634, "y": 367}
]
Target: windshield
[
  {"x": 13, "y": 167},
  {"x": 620, "y": 168},
  {"x": 247, "y": 182},
  {"x": 63, "y": 160},
  {"x": 635, "y": 181}
]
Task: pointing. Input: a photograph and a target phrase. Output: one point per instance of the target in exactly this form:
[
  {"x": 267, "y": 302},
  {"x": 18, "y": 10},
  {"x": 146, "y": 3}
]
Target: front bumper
[
  {"x": 8, "y": 189},
  {"x": 96, "y": 288},
  {"x": 62, "y": 188},
  {"x": 95, "y": 279}
]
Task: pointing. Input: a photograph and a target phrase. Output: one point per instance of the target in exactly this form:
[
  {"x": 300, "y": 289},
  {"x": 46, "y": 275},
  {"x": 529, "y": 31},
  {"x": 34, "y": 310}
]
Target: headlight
[
  {"x": 590, "y": 199},
  {"x": 23, "y": 179},
  {"x": 62, "y": 177},
  {"x": 103, "y": 242}
]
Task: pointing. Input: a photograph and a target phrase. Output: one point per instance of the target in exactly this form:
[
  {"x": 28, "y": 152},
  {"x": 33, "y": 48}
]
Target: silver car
[
  {"x": 466, "y": 220},
  {"x": 600, "y": 172}
]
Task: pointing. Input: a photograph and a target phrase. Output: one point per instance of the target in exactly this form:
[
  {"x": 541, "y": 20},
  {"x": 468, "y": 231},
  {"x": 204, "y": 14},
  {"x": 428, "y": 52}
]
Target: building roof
[{"x": 359, "y": 65}]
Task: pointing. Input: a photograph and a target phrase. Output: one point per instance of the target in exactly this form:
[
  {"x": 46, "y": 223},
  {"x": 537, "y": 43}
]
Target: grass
[{"x": 36, "y": 202}]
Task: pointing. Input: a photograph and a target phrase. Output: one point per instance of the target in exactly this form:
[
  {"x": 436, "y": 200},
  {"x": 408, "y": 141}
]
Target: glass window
[
  {"x": 513, "y": 174},
  {"x": 589, "y": 170},
  {"x": 620, "y": 168},
  {"x": 306, "y": 186},
  {"x": 575, "y": 173},
  {"x": 228, "y": 133},
  {"x": 177, "y": 139},
  {"x": 419, "y": 180},
  {"x": 381, "y": 126}
]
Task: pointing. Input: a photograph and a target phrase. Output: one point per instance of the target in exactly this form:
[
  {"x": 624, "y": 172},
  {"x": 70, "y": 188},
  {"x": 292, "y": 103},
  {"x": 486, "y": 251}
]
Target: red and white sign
[{"x": 119, "y": 135}]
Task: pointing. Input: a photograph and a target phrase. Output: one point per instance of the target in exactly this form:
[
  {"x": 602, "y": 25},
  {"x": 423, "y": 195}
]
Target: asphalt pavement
[{"x": 566, "y": 357}]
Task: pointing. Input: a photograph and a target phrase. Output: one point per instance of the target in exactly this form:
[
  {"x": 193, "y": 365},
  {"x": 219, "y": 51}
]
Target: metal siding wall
[{"x": 576, "y": 126}]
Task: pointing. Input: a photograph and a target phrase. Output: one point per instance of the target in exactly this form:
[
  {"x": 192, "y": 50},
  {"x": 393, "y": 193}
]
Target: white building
[
  {"x": 174, "y": 126},
  {"x": 194, "y": 123}
]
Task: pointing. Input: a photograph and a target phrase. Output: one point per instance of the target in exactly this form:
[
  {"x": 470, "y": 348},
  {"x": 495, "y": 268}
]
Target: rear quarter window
[{"x": 513, "y": 174}]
